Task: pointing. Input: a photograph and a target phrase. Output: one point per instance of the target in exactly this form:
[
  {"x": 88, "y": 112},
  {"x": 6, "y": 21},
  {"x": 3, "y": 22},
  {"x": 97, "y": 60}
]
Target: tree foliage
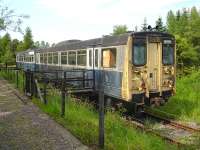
[
  {"x": 41, "y": 44},
  {"x": 185, "y": 25},
  {"x": 144, "y": 26},
  {"x": 9, "y": 20},
  {"x": 9, "y": 47},
  {"x": 28, "y": 39},
  {"x": 160, "y": 25},
  {"x": 119, "y": 29}
]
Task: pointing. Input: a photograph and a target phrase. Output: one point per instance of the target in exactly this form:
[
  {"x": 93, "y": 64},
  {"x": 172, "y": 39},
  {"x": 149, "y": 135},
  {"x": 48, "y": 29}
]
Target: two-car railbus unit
[{"x": 139, "y": 67}]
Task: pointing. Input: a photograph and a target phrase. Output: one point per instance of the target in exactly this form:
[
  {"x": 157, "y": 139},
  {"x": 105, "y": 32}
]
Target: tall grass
[
  {"x": 82, "y": 120},
  {"x": 186, "y": 103},
  {"x": 11, "y": 76}
]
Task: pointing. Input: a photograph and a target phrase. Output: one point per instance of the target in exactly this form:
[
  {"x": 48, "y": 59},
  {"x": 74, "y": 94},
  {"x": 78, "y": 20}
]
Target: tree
[
  {"x": 171, "y": 22},
  {"x": 7, "y": 53},
  {"x": 41, "y": 44},
  {"x": 119, "y": 29},
  {"x": 53, "y": 45},
  {"x": 185, "y": 26},
  {"x": 4, "y": 43},
  {"x": 14, "y": 45},
  {"x": 28, "y": 39},
  {"x": 144, "y": 26},
  {"x": 20, "y": 46},
  {"x": 159, "y": 25},
  {"x": 8, "y": 57},
  {"x": 9, "y": 20}
]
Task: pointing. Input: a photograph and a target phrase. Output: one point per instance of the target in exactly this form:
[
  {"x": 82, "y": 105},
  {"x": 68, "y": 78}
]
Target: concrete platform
[{"x": 24, "y": 127}]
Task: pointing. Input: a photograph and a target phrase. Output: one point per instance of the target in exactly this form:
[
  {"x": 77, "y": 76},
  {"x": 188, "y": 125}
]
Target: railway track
[
  {"x": 175, "y": 128},
  {"x": 172, "y": 123}
]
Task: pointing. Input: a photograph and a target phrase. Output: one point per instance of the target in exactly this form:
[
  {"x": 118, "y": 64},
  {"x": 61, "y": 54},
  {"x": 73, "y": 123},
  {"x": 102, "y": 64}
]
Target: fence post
[
  {"x": 24, "y": 73},
  {"x": 83, "y": 82},
  {"x": 17, "y": 78},
  {"x": 63, "y": 96},
  {"x": 63, "y": 103},
  {"x": 45, "y": 92},
  {"x": 33, "y": 86},
  {"x": 101, "y": 110}
]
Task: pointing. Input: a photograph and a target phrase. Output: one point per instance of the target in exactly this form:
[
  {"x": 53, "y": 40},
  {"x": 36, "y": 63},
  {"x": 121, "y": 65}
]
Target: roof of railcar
[
  {"x": 105, "y": 41},
  {"x": 153, "y": 33},
  {"x": 98, "y": 42}
]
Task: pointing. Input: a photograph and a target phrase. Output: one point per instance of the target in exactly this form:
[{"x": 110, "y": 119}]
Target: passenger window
[
  {"x": 90, "y": 58},
  {"x": 41, "y": 58},
  {"x": 139, "y": 52},
  {"x": 96, "y": 58},
  {"x": 109, "y": 58},
  {"x": 168, "y": 54},
  {"x": 45, "y": 58},
  {"x": 55, "y": 58},
  {"x": 72, "y": 58},
  {"x": 50, "y": 58},
  {"x": 64, "y": 58},
  {"x": 81, "y": 58},
  {"x": 37, "y": 58}
]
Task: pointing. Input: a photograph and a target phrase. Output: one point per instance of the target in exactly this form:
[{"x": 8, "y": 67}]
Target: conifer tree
[{"x": 28, "y": 39}]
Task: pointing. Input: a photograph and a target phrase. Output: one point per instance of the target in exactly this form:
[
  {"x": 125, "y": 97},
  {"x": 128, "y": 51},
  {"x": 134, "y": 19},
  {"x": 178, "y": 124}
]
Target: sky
[{"x": 58, "y": 20}]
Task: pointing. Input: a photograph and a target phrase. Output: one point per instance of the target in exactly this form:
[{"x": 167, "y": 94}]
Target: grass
[
  {"x": 185, "y": 105},
  {"x": 11, "y": 76},
  {"x": 82, "y": 120}
]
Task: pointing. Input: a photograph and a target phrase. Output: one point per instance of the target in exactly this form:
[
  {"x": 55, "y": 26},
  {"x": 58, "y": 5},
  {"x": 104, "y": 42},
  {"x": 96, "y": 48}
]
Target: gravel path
[{"x": 25, "y": 127}]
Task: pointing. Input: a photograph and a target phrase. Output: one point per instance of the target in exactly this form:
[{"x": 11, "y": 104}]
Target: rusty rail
[
  {"x": 140, "y": 124},
  {"x": 172, "y": 123}
]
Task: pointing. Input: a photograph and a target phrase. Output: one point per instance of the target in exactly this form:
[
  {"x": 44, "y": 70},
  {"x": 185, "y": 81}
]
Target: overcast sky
[{"x": 57, "y": 20}]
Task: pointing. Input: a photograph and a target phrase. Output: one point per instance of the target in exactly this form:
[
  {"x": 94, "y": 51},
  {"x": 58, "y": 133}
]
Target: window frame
[
  {"x": 75, "y": 57},
  {"x": 53, "y": 55},
  {"x": 90, "y": 59},
  {"x": 41, "y": 58},
  {"x": 133, "y": 50},
  {"x": 173, "y": 48},
  {"x": 78, "y": 55},
  {"x": 96, "y": 55},
  {"x": 66, "y": 55},
  {"x": 50, "y": 53},
  {"x": 108, "y": 48},
  {"x": 45, "y": 55}
]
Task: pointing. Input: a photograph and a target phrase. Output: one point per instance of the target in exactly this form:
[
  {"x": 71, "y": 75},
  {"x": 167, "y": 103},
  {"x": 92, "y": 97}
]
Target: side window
[
  {"x": 41, "y": 58},
  {"x": 50, "y": 58},
  {"x": 32, "y": 58},
  {"x": 72, "y": 58},
  {"x": 64, "y": 58},
  {"x": 81, "y": 58},
  {"x": 139, "y": 53},
  {"x": 26, "y": 58},
  {"x": 96, "y": 58},
  {"x": 109, "y": 57},
  {"x": 90, "y": 58},
  {"x": 45, "y": 58},
  {"x": 37, "y": 58},
  {"x": 55, "y": 58}
]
